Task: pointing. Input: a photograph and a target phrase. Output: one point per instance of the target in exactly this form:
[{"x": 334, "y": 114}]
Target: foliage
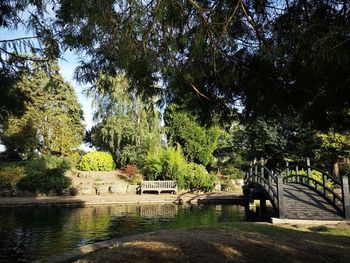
[
  {"x": 232, "y": 172},
  {"x": 334, "y": 144},
  {"x": 153, "y": 167},
  {"x": 283, "y": 66},
  {"x": 198, "y": 178},
  {"x": 10, "y": 174},
  {"x": 52, "y": 119},
  {"x": 198, "y": 142},
  {"x": 168, "y": 163},
  {"x": 45, "y": 181},
  {"x": 315, "y": 175},
  {"x": 97, "y": 161},
  {"x": 130, "y": 169},
  {"x": 174, "y": 165},
  {"x": 137, "y": 179},
  {"x": 128, "y": 127},
  {"x": 12, "y": 98},
  {"x": 132, "y": 174},
  {"x": 272, "y": 56},
  {"x": 44, "y": 174}
]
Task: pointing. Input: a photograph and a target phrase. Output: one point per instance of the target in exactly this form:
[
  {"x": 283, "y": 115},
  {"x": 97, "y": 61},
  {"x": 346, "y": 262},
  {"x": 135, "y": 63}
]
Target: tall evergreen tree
[{"x": 52, "y": 118}]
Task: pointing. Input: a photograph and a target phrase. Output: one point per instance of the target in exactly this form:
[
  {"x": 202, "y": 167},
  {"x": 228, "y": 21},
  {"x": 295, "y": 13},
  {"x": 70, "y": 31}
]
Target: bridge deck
[{"x": 303, "y": 203}]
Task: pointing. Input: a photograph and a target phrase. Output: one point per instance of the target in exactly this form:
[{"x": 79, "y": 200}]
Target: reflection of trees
[{"x": 31, "y": 232}]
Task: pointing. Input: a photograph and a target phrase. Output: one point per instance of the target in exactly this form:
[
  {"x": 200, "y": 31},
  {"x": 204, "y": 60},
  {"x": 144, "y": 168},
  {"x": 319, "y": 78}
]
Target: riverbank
[
  {"x": 232, "y": 242},
  {"x": 214, "y": 197}
]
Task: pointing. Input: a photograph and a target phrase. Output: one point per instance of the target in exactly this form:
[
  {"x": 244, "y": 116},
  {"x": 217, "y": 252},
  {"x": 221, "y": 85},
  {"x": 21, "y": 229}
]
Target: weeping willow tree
[{"x": 128, "y": 127}]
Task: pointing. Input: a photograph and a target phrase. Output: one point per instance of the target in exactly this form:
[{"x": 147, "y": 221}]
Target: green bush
[
  {"x": 45, "y": 181},
  {"x": 315, "y": 175},
  {"x": 232, "y": 172},
  {"x": 45, "y": 174},
  {"x": 10, "y": 174},
  {"x": 96, "y": 161},
  {"x": 198, "y": 178},
  {"x": 152, "y": 166},
  {"x": 174, "y": 164},
  {"x": 170, "y": 164}
]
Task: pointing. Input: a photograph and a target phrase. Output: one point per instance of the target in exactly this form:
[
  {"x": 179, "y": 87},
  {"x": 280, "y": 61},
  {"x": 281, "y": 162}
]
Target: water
[{"x": 30, "y": 233}]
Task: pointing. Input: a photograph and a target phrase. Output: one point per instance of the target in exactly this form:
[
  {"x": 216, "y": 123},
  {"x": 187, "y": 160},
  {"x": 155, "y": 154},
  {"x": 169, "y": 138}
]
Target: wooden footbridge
[{"x": 299, "y": 191}]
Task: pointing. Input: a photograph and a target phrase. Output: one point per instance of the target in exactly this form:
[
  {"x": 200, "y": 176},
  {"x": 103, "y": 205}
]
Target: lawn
[{"x": 234, "y": 242}]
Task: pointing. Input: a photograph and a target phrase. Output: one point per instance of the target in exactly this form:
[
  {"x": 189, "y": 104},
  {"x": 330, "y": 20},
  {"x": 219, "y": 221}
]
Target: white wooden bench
[{"x": 159, "y": 186}]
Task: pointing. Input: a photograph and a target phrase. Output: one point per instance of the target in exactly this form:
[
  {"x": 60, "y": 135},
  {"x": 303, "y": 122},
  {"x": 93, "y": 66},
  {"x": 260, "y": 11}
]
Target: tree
[
  {"x": 198, "y": 142},
  {"x": 305, "y": 67},
  {"x": 333, "y": 146},
  {"x": 52, "y": 118},
  {"x": 128, "y": 127},
  {"x": 270, "y": 56},
  {"x": 34, "y": 17}
]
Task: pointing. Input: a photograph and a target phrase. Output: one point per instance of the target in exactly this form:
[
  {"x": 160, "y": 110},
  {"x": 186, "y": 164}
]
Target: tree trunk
[{"x": 335, "y": 167}]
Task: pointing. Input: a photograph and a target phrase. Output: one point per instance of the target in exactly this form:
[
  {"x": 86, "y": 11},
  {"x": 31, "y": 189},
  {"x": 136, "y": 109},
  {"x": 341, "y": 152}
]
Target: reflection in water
[
  {"x": 30, "y": 233},
  {"x": 159, "y": 211}
]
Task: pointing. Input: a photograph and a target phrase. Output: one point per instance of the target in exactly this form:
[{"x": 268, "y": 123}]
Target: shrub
[
  {"x": 52, "y": 180},
  {"x": 153, "y": 167},
  {"x": 198, "y": 178},
  {"x": 137, "y": 179},
  {"x": 130, "y": 169},
  {"x": 167, "y": 163},
  {"x": 96, "y": 161},
  {"x": 10, "y": 174},
  {"x": 315, "y": 175},
  {"x": 170, "y": 164},
  {"x": 174, "y": 164},
  {"x": 233, "y": 172},
  {"x": 45, "y": 174},
  {"x": 132, "y": 174},
  {"x": 73, "y": 160}
]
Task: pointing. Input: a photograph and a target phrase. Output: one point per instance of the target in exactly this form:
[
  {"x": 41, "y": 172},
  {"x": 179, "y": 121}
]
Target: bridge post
[
  {"x": 346, "y": 201},
  {"x": 262, "y": 167},
  {"x": 308, "y": 169},
  {"x": 280, "y": 196},
  {"x": 324, "y": 183}
]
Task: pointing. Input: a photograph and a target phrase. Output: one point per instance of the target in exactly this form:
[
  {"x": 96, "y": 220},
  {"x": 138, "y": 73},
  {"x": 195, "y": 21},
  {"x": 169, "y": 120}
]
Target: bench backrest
[{"x": 159, "y": 184}]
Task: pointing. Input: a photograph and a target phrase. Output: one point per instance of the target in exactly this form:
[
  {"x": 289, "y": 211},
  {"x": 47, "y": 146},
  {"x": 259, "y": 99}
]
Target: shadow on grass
[{"x": 238, "y": 242}]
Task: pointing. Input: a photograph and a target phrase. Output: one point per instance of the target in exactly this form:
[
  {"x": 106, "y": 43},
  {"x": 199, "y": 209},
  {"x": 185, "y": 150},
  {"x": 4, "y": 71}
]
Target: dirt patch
[{"x": 241, "y": 243}]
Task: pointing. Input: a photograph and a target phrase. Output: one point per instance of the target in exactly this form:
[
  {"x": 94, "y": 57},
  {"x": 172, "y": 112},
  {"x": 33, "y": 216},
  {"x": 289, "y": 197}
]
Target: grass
[{"x": 234, "y": 242}]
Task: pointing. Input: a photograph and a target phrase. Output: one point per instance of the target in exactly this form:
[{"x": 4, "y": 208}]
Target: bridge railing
[
  {"x": 335, "y": 190},
  {"x": 271, "y": 183}
]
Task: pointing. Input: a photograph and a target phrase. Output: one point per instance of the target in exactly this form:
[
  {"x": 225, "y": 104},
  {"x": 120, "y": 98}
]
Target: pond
[{"x": 31, "y": 233}]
